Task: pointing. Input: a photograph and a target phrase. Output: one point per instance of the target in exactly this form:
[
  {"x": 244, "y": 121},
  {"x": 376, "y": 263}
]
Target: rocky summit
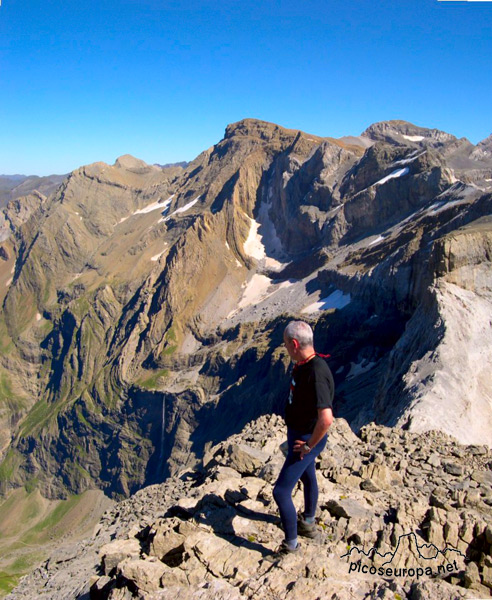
[
  {"x": 143, "y": 306},
  {"x": 401, "y": 515}
]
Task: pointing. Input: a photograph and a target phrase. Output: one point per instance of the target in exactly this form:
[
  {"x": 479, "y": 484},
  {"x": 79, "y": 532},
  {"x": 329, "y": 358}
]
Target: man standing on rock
[{"x": 308, "y": 416}]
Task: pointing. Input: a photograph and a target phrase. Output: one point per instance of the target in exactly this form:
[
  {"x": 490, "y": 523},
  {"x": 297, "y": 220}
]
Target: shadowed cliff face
[{"x": 143, "y": 307}]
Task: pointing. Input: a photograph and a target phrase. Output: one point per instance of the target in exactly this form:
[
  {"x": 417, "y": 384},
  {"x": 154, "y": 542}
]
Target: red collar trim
[{"x": 303, "y": 362}]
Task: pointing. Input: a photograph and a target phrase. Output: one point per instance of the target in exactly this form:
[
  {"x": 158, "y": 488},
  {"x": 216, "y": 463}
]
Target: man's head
[{"x": 298, "y": 339}]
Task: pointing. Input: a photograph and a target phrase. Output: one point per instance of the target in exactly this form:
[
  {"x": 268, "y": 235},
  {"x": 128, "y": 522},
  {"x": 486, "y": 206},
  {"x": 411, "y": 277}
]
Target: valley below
[{"x": 143, "y": 310}]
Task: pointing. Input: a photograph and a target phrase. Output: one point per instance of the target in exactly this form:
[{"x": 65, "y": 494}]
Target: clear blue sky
[{"x": 88, "y": 81}]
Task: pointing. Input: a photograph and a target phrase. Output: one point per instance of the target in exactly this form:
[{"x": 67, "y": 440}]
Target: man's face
[{"x": 292, "y": 347}]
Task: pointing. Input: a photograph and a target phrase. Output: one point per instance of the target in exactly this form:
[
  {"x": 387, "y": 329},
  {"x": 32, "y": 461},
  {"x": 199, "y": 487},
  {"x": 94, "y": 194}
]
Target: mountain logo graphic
[
  {"x": 416, "y": 558},
  {"x": 424, "y": 551}
]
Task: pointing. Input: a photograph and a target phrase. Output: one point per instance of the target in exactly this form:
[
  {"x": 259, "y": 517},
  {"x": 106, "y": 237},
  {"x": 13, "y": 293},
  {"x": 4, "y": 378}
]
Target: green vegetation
[
  {"x": 8, "y": 582},
  {"x": 85, "y": 474},
  {"x": 38, "y": 416},
  {"x": 149, "y": 382},
  {"x": 169, "y": 350},
  {"x": 46, "y": 327},
  {"x": 107, "y": 387},
  {"x": 22, "y": 307},
  {"x": 30, "y": 525},
  {"x": 10, "y": 464},
  {"x": 7, "y": 397},
  {"x": 46, "y": 294},
  {"x": 6, "y": 343},
  {"x": 170, "y": 343},
  {"x": 92, "y": 406},
  {"x": 31, "y": 485},
  {"x": 49, "y": 527},
  {"x": 86, "y": 402}
]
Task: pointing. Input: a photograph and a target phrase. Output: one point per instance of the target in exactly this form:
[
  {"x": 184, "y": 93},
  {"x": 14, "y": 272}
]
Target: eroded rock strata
[
  {"x": 142, "y": 307},
  {"x": 416, "y": 506}
]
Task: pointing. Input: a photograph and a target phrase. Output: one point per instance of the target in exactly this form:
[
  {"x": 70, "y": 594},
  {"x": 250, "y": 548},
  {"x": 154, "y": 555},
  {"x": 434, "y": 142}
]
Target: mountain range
[{"x": 143, "y": 306}]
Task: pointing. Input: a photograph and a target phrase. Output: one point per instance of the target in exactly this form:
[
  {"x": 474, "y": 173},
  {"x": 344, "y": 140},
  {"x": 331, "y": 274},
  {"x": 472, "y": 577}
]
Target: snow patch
[
  {"x": 380, "y": 238},
  {"x": 452, "y": 176},
  {"x": 154, "y": 206},
  {"x": 288, "y": 283},
  {"x": 253, "y": 245},
  {"x": 156, "y": 257},
  {"x": 393, "y": 175},
  {"x": 334, "y": 210},
  {"x": 9, "y": 282},
  {"x": 255, "y": 290},
  {"x": 186, "y": 206},
  {"x": 359, "y": 368},
  {"x": 238, "y": 263},
  {"x": 414, "y": 138},
  {"x": 411, "y": 158},
  {"x": 265, "y": 245},
  {"x": 438, "y": 207},
  {"x": 336, "y": 300},
  {"x": 227, "y": 245},
  {"x": 180, "y": 210},
  {"x": 38, "y": 317}
]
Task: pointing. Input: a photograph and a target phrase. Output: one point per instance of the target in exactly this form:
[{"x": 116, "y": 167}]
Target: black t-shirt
[{"x": 312, "y": 387}]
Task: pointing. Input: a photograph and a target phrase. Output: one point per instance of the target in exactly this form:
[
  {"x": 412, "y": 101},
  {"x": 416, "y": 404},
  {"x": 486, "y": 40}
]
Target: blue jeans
[{"x": 293, "y": 470}]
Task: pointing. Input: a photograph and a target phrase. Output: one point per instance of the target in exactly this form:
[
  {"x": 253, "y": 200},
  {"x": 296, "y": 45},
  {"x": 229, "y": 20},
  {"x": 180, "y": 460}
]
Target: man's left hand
[{"x": 299, "y": 447}]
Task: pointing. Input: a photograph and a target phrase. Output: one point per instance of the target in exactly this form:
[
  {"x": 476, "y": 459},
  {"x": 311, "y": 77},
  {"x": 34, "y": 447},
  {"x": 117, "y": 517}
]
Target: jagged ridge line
[{"x": 375, "y": 551}]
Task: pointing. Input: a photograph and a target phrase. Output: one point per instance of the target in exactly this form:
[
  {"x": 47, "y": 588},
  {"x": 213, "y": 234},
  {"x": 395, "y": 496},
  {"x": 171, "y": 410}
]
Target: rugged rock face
[
  {"x": 143, "y": 307},
  {"x": 401, "y": 515}
]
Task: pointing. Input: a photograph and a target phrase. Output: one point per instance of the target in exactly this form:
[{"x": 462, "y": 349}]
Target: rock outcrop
[
  {"x": 401, "y": 515},
  {"x": 143, "y": 307}
]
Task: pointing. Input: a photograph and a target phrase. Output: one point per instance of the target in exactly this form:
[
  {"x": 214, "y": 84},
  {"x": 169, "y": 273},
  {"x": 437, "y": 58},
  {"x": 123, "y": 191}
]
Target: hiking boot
[
  {"x": 308, "y": 530},
  {"x": 282, "y": 551}
]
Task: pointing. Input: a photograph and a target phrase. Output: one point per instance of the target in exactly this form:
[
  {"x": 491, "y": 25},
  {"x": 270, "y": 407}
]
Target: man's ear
[{"x": 295, "y": 343}]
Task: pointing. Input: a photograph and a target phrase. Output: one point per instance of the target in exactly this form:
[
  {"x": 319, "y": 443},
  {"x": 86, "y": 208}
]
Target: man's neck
[{"x": 306, "y": 354}]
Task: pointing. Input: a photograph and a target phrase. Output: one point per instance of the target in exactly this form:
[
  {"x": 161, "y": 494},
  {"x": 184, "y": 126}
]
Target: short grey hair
[{"x": 301, "y": 331}]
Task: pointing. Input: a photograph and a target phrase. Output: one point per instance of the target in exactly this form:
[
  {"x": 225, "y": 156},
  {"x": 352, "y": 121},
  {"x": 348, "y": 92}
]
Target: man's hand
[
  {"x": 299, "y": 446},
  {"x": 325, "y": 419}
]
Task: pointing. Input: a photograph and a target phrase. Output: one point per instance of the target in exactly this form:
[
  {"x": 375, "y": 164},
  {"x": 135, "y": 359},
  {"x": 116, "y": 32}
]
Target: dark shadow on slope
[
  {"x": 213, "y": 511},
  {"x": 58, "y": 342}
]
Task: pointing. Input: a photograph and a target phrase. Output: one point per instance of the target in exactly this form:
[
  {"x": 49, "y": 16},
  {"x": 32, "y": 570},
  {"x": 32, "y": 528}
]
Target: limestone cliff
[{"x": 143, "y": 307}]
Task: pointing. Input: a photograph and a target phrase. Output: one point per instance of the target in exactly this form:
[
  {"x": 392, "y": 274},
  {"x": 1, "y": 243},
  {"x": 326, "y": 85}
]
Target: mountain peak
[
  {"x": 403, "y": 132},
  {"x": 263, "y": 130},
  {"x": 129, "y": 162}
]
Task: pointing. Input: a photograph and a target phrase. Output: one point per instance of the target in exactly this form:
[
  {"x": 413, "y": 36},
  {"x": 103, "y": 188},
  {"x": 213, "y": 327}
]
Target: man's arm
[{"x": 325, "y": 419}]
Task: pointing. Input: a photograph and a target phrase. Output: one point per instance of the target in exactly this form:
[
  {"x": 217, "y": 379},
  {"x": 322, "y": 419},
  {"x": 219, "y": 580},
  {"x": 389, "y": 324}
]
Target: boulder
[
  {"x": 144, "y": 574},
  {"x": 347, "y": 508},
  {"x": 115, "y": 552},
  {"x": 245, "y": 459}
]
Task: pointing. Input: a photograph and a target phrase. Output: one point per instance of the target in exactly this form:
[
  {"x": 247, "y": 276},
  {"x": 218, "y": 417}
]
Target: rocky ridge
[
  {"x": 17, "y": 186},
  {"x": 143, "y": 308},
  {"x": 389, "y": 499}
]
